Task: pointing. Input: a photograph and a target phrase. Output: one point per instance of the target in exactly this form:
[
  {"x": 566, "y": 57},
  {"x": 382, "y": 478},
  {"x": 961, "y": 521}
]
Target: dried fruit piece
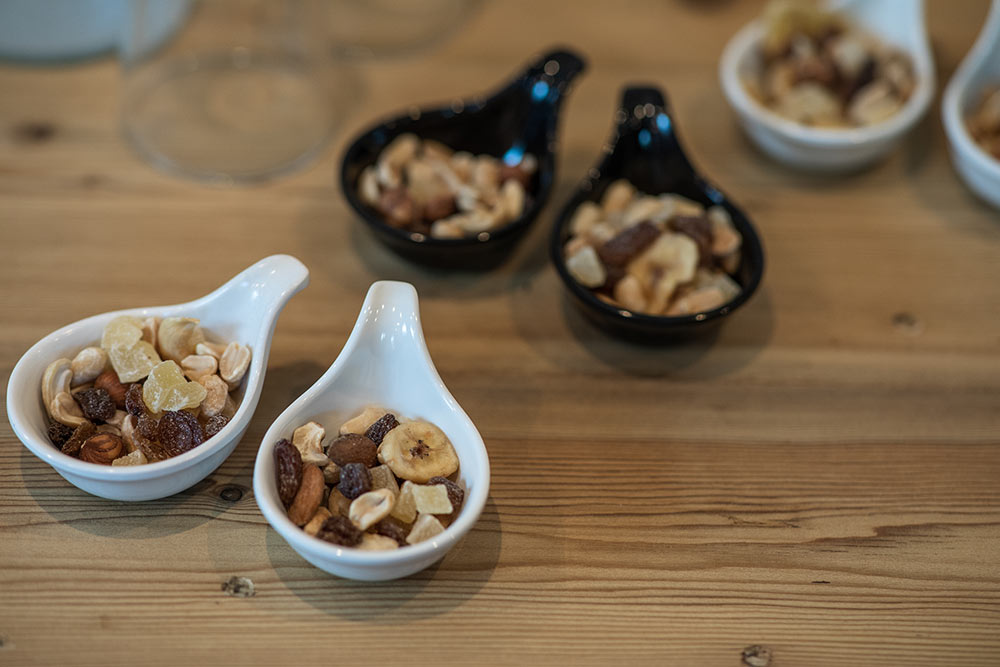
[
  {"x": 80, "y": 435},
  {"x": 392, "y": 528},
  {"x": 108, "y": 381},
  {"x": 88, "y": 364},
  {"x": 96, "y": 404},
  {"x": 426, "y": 527},
  {"x": 628, "y": 244},
  {"x": 417, "y": 451},
  {"x": 152, "y": 450},
  {"x": 102, "y": 448},
  {"x": 59, "y": 433},
  {"x": 340, "y": 530},
  {"x": 134, "y": 458},
  {"x": 376, "y": 432},
  {"x": 134, "y": 405},
  {"x": 178, "y": 337},
  {"x": 383, "y": 478},
  {"x": 431, "y": 499},
  {"x": 699, "y": 229},
  {"x": 166, "y": 389},
  {"x": 214, "y": 425},
  {"x": 130, "y": 356},
  {"x": 456, "y": 495},
  {"x": 308, "y": 497},
  {"x": 405, "y": 508},
  {"x": 354, "y": 480},
  {"x": 352, "y": 448},
  {"x": 179, "y": 432},
  {"x": 146, "y": 425},
  {"x": 371, "y": 507},
  {"x": 287, "y": 471},
  {"x": 372, "y": 542}
]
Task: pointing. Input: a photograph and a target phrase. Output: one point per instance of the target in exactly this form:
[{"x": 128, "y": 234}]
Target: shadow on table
[{"x": 436, "y": 590}]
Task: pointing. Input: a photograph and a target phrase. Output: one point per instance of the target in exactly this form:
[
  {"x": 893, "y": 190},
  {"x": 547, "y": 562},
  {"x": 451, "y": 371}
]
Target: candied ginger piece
[{"x": 166, "y": 388}]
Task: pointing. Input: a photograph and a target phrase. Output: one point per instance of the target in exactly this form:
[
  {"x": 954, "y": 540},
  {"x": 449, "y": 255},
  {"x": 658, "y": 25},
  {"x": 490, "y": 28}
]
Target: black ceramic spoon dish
[
  {"x": 644, "y": 149},
  {"x": 518, "y": 119}
]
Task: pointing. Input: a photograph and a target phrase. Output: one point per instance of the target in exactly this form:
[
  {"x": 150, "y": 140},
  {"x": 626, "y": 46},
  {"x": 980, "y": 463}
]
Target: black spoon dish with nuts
[
  {"x": 647, "y": 247},
  {"x": 459, "y": 185}
]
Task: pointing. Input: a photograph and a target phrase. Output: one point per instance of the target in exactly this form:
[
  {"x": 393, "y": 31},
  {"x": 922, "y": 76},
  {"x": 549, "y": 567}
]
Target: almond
[{"x": 309, "y": 496}]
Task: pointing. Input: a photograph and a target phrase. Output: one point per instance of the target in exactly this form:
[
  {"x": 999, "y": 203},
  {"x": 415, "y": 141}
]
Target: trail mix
[
  {"x": 151, "y": 390},
  {"x": 818, "y": 69},
  {"x": 984, "y": 123},
  {"x": 662, "y": 255},
  {"x": 380, "y": 483},
  {"x": 423, "y": 186}
]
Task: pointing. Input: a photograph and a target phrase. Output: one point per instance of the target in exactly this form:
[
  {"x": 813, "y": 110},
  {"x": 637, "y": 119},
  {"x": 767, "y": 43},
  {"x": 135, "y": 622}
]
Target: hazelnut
[{"x": 102, "y": 448}]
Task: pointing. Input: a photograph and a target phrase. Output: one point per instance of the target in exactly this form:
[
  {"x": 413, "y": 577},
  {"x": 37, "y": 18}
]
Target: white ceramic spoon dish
[
  {"x": 245, "y": 309},
  {"x": 979, "y": 70},
  {"x": 895, "y": 22},
  {"x": 384, "y": 362}
]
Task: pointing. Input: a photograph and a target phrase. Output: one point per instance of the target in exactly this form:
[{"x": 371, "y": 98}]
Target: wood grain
[{"x": 819, "y": 479}]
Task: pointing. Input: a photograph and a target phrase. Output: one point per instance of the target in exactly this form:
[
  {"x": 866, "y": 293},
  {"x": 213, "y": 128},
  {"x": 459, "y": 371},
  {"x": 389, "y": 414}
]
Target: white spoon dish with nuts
[
  {"x": 384, "y": 363},
  {"x": 143, "y": 403},
  {"x": 830, "y": 86}
]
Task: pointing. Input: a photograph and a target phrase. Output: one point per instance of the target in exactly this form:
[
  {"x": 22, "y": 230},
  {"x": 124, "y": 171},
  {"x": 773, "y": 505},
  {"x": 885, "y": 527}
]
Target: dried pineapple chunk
[{"x": 166, "y": 388}]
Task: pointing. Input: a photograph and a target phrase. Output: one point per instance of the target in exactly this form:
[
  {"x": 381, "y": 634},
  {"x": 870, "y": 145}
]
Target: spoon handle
[
  {"x": 547, "y": 79},
  {"x": 646, "y": 125},
  {"x": 264, "y": 288}
]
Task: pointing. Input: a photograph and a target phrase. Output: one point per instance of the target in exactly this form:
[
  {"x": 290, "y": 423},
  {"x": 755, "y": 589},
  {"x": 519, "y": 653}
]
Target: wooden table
[{"x": 822, "y": 479}]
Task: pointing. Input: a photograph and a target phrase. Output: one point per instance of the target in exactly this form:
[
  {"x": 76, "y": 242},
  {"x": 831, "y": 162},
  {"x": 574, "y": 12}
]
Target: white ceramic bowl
[
  {"x": 896, "y": 22},
  {"x": 245, "y": 309},
  {"x": 384, "y": 362},
  {"x": 979, "y": 69}
]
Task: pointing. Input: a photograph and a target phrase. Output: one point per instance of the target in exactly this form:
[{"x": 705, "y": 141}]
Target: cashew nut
[
  {"x": 65, "y": 410},
  {"x": 57, "y": 379},
  {"x": 197, "y": 366},
  {"x": 308, "y": 439},
  {"x": 233, "y": 364},
  {"x": 88, "y": 364},
  {"x": 217, "y": 392},
  {"x": 178, "y": 337}
]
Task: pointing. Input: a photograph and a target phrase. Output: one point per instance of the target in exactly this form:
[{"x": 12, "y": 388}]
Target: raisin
[
  {"x": 354, "y": 480},
  {"x": 146, "y": 426},
  {"x": 96, "y": 404},
  {"x": 59, "y": 433},
  {"x": 215, "y": 424},
  {"x": 152, "y": 450},
  {"x": 134, "y": 405},
  {"x": 377, "y": 431},
  {"x": 179, "y": 432},
  {"x": 392, "y": 528},
  {"x": 623, "y": 247},
  {"x": 352, "y": 448},
  {"x": 455, "y": 493},
  {"x": 439, "y": 207},
  {"x": 80, "y": 435},
  {"x": 108, "y": 381},
  {"x": 287, "y": 470},
  {"x": 340, "y": 530},
  {"x": 699, "y": 229}
]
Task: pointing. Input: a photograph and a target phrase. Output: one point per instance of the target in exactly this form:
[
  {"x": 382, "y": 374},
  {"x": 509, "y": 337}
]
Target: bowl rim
[
  {"x": 738, "y": 48},
  {"x": 537, "y": 199},
  {"x": 964, "y": 147},
  {"x": 276, "y": 515},
  {"x": 50, "y": 454},
  {"x": 753, "y": 248}
]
